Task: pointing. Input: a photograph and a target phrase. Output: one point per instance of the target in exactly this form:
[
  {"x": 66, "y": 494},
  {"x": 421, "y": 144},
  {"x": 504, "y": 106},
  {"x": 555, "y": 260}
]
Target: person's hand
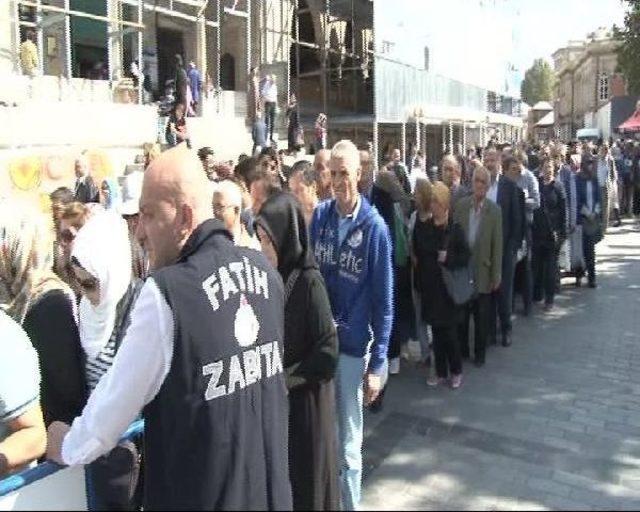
[
  {"x": 442, "y": 256},
  {"x": 495, "y": 286},
  {"x": 56, "y": 433},
  {"x": 372, "y": 388}
]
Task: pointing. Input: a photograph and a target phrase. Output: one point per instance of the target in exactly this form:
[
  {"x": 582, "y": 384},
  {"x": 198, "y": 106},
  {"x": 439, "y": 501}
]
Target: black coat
[
  {"x": 511, "y": 202},
  {"x": 87, "y": 192},
  {"x": 403, "y": 316},
  {"x": 550, "y": 220},
  {"x": 53, "y": 332},
  {"x": 310, "y": 359},
  {"x": 428, "y": 239}
]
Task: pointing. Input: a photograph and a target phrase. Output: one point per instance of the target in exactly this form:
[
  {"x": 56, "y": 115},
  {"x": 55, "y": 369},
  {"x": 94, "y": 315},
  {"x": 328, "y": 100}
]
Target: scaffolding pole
[
  {"x": 325, "y": 58},
  {"x": 140, "y": 56}
]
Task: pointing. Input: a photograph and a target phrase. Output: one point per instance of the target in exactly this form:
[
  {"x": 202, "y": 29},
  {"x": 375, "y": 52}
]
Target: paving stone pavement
[{"x": 551, "y": 423}]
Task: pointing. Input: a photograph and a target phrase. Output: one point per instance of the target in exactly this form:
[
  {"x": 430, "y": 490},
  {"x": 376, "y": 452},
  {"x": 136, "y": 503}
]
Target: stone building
[
  {"x": 83, "y": 95},
  {"x": 586, "y": 80}
]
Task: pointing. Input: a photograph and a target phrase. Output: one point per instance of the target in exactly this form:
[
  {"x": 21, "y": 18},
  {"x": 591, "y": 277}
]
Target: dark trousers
[
  {"x": 502, "y": 303},
  {"x": 403, "y": 317},
  {"x": 527, "y": 284},
  {"x": 636, "y": 200},
  {"x": 446, "y": 350},
  {"x": 545, "y": 269},
  {"x": 589, "y": 251},
  {"x": 480, "y": 308},
  {"x": 270, "y": 118}
]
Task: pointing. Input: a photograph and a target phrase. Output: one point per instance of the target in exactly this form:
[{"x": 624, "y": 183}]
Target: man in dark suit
[
  {"x": 506, "y": 194},
  {"x": 86, "y": 190}
]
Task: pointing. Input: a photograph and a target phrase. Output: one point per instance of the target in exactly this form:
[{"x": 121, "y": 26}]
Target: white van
[{"x": 589, "y": 134}]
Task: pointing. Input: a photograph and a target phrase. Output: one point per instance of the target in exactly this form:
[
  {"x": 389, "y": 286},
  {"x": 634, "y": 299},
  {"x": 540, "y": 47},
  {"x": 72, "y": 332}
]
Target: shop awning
[{"x": 631, "y": 125}]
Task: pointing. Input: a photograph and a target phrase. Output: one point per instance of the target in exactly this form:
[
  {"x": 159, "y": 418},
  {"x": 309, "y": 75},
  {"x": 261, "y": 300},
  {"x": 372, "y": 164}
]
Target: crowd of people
[{"x": 251, "y": 313}]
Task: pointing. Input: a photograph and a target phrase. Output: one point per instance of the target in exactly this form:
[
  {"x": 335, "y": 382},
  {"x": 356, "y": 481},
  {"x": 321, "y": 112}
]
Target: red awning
[{"x": 631, "y": 125}]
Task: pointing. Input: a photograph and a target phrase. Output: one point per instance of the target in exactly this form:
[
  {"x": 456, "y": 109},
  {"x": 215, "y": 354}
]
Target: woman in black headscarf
[{"x": 310, "y": 355}]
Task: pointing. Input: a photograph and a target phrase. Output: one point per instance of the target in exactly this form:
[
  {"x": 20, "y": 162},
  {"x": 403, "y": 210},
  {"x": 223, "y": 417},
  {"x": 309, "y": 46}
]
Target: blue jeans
[{"x": 349, "y": 403}]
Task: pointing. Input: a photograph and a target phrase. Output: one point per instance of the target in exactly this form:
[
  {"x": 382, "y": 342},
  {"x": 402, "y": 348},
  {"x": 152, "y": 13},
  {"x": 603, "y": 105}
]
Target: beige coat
[{"x": 487, "y": 250}]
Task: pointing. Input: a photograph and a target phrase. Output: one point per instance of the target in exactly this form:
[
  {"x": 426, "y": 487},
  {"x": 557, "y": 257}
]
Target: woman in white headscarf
[
  {"x": 37, "y": 299},
  {"x": 101, "y": 265}
]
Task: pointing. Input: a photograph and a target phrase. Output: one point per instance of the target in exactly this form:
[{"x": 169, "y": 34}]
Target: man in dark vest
[{"x": 202, "y": 359}]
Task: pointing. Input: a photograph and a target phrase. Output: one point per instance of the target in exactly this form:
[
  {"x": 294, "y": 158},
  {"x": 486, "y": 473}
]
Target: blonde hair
[
  {"x": 484, "y": 171},
  {"x": 423, "y": 193},
  {"x": 26, "y": 257},
  {"x": 440, "y": 193}
]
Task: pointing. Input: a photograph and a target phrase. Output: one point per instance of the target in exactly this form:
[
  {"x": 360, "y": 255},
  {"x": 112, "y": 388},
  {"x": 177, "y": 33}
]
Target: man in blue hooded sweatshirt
[{"x": 353, "y": 248}]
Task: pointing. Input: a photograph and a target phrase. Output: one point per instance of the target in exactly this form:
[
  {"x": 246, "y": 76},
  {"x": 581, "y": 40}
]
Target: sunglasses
[{"x": 88, "y": 285}]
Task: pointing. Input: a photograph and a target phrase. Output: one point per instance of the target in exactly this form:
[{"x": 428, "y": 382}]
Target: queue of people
[{"x": 251, "y": 313}]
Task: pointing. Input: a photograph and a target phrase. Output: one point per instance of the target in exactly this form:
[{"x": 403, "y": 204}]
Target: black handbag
[
  {"x": 592, "y": 227},
  {"x": 460, "y": 284}
]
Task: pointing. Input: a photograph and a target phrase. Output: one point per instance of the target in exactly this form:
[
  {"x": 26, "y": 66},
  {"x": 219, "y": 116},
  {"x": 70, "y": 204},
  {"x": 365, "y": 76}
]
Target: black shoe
[
  {"x": 592, "y": 284},
  {"x": 466, "y": 356},
  {"x": 479, "y": 363},
  {"x": 578, "y": 282},
  {"x": 506, "y": 340}
]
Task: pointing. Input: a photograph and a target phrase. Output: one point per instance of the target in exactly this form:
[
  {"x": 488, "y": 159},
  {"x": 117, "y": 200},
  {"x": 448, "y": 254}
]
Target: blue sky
[{"x": 478, "y": 40}]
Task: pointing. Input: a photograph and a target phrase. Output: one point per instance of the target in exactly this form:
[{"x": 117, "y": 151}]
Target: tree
[
  {"x": 629, "y": 51},
  {"x": 538, "y": 84}
]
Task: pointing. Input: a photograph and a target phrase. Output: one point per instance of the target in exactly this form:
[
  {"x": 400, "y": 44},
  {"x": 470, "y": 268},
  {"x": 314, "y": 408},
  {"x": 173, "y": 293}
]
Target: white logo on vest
[{"x": 246, "y": 325}]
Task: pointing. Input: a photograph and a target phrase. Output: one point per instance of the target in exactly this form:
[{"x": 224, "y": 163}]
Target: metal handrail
[{"x": 16, "y": 482}]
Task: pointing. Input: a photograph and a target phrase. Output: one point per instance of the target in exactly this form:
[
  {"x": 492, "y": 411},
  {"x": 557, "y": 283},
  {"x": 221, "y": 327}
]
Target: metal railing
[{"x": 24, "y": 478}]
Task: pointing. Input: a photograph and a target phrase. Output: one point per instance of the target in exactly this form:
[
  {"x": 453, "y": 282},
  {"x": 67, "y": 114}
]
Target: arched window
[{"x": 603, "y": 87}]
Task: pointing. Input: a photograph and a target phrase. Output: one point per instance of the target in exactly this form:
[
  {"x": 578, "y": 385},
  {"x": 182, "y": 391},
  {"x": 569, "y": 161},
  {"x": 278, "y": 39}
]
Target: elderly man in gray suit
[{"x": 481, "y": 220}]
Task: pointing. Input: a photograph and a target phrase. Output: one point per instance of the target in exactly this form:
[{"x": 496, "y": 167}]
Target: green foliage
[
  {"x": 629, "y": 52},
  {"x": 539, "y": 83}
]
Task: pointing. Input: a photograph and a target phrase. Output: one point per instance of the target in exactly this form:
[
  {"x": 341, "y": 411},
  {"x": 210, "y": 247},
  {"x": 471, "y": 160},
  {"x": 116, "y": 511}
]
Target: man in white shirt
[
  {"x": 186, "y": 363},
  {"x": 269, "y": 95}
]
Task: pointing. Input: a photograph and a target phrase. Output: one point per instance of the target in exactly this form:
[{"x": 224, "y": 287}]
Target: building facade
[{"x": 587, "y": 80}]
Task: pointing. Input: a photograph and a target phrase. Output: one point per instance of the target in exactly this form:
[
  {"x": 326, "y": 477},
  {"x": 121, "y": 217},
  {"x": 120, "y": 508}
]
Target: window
[{"x": 603, "y": 87}]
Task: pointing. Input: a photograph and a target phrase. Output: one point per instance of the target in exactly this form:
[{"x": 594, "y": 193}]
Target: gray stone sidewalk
[{"x": 551, "y": 423}]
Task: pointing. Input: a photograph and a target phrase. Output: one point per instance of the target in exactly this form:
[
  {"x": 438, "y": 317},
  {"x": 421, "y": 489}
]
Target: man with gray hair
[
  {"x": 481, "y": 221},
  {"x": 452, "y": 178},
  {"x": 353, "y": 249}
]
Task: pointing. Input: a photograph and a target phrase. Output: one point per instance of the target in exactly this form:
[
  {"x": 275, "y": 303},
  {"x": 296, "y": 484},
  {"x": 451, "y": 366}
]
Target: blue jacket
[{"x": 359, "y": 278}]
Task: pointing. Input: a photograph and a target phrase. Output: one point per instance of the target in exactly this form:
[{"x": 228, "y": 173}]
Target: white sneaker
[{"x": 394, "y": 366}]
